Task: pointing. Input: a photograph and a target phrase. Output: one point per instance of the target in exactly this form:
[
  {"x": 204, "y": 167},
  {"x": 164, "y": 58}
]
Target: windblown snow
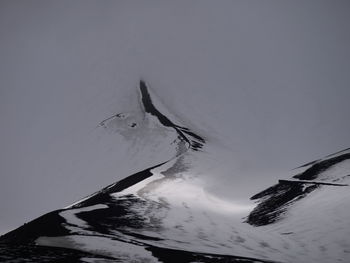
[{"x": 166, "y": 213}]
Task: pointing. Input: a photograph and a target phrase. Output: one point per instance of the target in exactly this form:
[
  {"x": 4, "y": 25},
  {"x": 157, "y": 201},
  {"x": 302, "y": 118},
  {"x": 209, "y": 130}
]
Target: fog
[{"x": 269, "y": 80}]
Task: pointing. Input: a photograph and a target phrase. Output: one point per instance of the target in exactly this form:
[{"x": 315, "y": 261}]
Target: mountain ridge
[{"x": 164, "y": 214}]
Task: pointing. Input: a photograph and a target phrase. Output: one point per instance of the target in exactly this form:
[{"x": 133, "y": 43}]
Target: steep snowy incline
[
  {"x": 158, "y": 213},
  {"x": 332, "y": 171},
  {"x": 312, "y": 209},
  {"x": 166, "y": 213}
]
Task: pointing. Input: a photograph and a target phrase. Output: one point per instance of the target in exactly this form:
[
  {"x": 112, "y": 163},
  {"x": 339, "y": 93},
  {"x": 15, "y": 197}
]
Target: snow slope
[{"x": 167, "y": 213}]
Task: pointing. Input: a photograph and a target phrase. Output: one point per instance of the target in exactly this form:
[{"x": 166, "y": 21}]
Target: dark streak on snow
[
  {"x": 312, "y": 172},
  {"x": 101, "y": 196},
  {"x": 194, "y": 141},
  {"x": 275, "y": 200},
  {"x": 313, "y": 162},
  {"x": 309, "y": 182}
]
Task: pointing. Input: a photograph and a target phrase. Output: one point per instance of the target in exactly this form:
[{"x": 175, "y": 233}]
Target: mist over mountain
[
  {"x": 235, "y": 94},
  {"x": 268, "y": 80},
  {"x": 170, "y": 213}
]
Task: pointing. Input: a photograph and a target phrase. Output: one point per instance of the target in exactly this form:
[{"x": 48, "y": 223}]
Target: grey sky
[{"x": 270, "y": 78}]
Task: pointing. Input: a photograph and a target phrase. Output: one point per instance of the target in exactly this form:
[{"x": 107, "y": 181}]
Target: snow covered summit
[{"x": 166, "y": 213}]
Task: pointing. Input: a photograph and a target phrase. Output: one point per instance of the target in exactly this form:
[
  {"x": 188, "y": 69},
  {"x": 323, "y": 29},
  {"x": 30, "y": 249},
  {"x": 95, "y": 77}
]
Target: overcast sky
[{"x": 269, "y": 78}]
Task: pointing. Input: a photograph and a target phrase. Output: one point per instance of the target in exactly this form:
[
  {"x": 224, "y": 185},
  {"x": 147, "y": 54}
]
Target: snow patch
[{"x": 125, "y": 252}]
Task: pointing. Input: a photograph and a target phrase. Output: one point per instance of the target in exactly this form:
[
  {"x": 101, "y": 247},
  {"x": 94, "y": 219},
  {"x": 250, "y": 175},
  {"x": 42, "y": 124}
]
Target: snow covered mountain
[{"x": 171, "y": 212}]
